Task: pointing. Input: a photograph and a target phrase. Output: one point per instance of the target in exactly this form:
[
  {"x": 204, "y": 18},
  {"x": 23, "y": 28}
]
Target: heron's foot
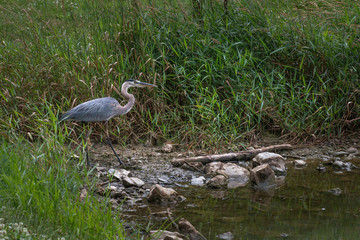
[
  {"x": 90, "y": 164},
  {"x": 120, "y": 162}
]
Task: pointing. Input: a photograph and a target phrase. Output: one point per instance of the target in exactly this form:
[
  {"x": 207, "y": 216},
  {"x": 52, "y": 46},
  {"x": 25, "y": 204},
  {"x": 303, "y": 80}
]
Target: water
[{"x": 301, "y": 208}]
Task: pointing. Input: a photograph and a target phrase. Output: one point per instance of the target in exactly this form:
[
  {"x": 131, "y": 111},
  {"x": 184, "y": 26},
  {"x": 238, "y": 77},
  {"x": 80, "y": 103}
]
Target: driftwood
[{"x": 243, "y": 155}]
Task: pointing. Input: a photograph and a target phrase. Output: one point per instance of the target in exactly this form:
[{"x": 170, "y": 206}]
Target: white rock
[
  {"x": 132, "y": 182},
  {"x": 351, "y": 150},
  {"x": 159, "y": 193},
  {"x": 300, "y": 163},
  {"x": 119, "y": 174},
  {"x": 276, "y": 161},
  {"x": 199, "y": 181},
  {"x": 234, "y": 171},
  {"x": 226, "y": 236}
]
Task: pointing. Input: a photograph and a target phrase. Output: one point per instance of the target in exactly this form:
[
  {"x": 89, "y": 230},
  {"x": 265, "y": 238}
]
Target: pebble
[
  {"x": 199, "y": 181},
  {"x": 226, "y": 236},
  {"x": 300, "y": 163},
  {"x": 351, "y": 150},
  {"x": 335, "y": 191},
  {"x": 340, "y": 154}
]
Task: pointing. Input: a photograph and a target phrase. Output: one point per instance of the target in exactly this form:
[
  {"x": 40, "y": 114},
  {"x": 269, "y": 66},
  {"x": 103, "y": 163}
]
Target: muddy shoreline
[{"x": 152, "y": 165}]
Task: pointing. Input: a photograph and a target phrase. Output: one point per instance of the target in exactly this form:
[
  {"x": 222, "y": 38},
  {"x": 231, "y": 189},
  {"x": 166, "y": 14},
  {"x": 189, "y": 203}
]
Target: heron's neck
[{"x": 124, "y": 91}]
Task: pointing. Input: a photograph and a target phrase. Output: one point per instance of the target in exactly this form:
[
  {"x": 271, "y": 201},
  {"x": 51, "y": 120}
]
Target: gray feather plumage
[{"x": 97, "y": 110}]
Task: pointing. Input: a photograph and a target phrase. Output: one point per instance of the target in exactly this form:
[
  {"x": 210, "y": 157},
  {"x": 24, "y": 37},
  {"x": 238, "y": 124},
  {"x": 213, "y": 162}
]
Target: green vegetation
[
  {"x": 40, "y": 187},
  {"x": 286, "y": 66},
  {"x": 226, "y": 73}
]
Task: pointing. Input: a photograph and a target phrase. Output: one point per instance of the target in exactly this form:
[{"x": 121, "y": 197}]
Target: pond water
[{"x": 308, "y": 204}]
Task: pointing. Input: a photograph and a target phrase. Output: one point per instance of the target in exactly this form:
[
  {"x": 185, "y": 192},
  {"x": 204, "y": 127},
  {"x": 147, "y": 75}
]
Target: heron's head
[{"x": 137, "y": 83}]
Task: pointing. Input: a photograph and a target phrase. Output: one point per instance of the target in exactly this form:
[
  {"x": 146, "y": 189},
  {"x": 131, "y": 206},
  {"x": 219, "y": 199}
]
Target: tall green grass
[
  {"x": 224, "y": 74},
  {"x": 40, "y": 185}
]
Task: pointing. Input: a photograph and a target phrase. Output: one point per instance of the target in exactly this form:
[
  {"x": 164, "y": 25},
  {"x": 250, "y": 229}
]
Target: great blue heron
[{"x": 103, "y": 109}]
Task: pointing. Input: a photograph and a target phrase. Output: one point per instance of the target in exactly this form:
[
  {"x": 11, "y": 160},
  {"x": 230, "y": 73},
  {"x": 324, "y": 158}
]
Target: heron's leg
[
  {"x": 109, "y": 142},
  {"x": 86, "y": 147}
]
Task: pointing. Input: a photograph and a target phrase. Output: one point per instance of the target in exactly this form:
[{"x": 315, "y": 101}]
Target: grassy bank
[
  {"x": 225, "y": 74},
  {"x": 40, "y": 189},
  {"x": 291, "y": 67}
]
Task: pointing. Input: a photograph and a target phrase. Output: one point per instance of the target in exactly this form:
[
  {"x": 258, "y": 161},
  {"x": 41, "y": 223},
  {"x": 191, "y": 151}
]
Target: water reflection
[{"x": 309, "y": 204}]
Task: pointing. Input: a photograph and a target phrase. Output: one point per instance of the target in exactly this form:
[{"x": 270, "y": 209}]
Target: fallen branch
[
  {"x": 243, "y": 155},
  {"x": 168, "y": 213}
]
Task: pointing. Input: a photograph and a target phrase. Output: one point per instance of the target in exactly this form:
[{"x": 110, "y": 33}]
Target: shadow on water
[{"x": 308, "y": 205}]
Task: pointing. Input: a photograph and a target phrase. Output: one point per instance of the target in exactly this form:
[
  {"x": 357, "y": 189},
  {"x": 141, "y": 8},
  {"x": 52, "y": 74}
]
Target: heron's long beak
[{"x": 143, "y": 84}]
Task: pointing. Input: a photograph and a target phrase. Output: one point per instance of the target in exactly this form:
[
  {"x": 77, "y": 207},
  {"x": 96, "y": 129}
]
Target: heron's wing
[{"x": 97, "y": 110}]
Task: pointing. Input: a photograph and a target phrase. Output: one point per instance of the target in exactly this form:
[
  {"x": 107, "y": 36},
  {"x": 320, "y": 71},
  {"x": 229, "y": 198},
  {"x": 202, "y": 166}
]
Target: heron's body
[
  {"x": 103, "y": 109},
  {"x": 97, "y": 110}
]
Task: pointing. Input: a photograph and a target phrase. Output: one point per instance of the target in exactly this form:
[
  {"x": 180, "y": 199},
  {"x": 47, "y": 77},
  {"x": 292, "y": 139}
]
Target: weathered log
[{"x": 226, "y": 157}]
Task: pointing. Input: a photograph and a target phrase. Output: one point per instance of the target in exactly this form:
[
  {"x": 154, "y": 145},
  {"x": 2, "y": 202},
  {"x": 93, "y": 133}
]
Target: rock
[
  {"x": 351, "y": 150},
  {"x": 114, "y": 203},
  {"x": 160, "y": 216},
  {"x": 132, "y": 182},
  {"x": 119, "y": 174},
  {"x": 237, "y": 182},
  {"x": 335, "y": 191},
  {"x": 238, "y": 176},
  {"x": 164, "y": 179},
  {"x": 114, "y": 191},
  {"x": 276, "y": 161},
  {"x": 117, "y": 193},
  {"x": 161, "y": 194},
  {"x": 101, "y": 171},
  {"x": 325, "y": 158},
  {"x": 193, "y": 166},
  {"x": 218, "y": 181},
  {"x": 300, "y": 163},
  {"x": 200, "y": 181},
  {"x": 226, "y": 236},
  {"x": 284, "y": 235},
  {"x": 342, "y": 165},
  {"x": 321, "y": 168},
  {"x": 165, "y": 235},
  {"x": 234, "y": 171},
  {"x": 262, "y": 176},
  {"x": 186, "y": 228},
  {"x": 340, "y": 154},
  {"x": 167, "y": 148},
  {"x": 110, "y": 188},
  {"x": 351, "y": 156},
  {"x": 213, "y": 167}
]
